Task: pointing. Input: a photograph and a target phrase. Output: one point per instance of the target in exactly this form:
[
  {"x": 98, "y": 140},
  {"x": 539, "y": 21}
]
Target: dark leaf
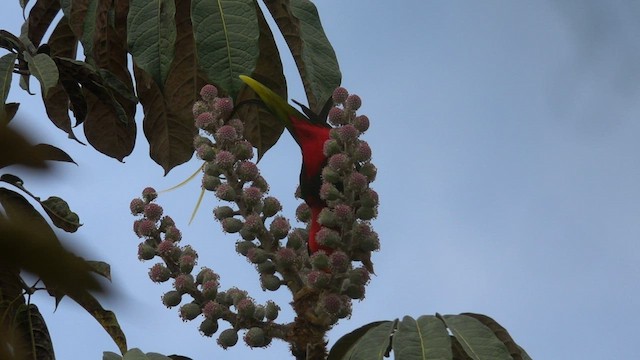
[
  {"x": 61, "y": 215},
  {"x": 345, "y": 346},
  {"x": 10, "y": 110},
  {"x": 76, "y": 14},
  {"x": 89, "y": 22},
  {"x": 40, "y": 17},
  {"x": 11, "y": 42},
  {"x": 32, "y": 326},
  {"x": 12, "y": 179},
  {"x": 261, "y": 127},
  {"x": 50, "y": 152},
  {"x": 315, "y": 58},
  {"x": 6, "y": 71},
  {"x": 105, "y": 129},
  {"x": 15, "y": 149},
  {"x": 226, "y": 33},
  {"x": 179, "y": 357},
  {"x": 28, "y": 242}
]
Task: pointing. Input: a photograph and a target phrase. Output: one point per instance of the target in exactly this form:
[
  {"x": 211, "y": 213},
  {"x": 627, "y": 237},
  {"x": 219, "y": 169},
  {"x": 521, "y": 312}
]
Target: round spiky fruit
[
  {"x": 208, "y": 327},
  {"x": 255, "y": 337},
  {"x": 228, "y": 338}
]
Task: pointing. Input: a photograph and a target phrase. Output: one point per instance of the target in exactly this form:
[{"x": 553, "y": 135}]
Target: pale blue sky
[{"x": 506, "y": 138}]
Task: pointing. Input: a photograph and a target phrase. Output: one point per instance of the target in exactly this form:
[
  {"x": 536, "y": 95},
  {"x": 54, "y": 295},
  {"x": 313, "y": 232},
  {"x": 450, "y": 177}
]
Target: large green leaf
[
  {"x": 226, "y": 33},
  {"x": 315, "y": 58},
  {"x": 477, "y": 340},
  {"x": 6, "y": 70},
  {"x": 168, "y": 121},
  {"x": 374, "y": 344},
  {"x": 151, "y": 35},
  {"x": 343, "y": 346},
  {"x": 33, "y": 328},
  {"x": 261, "y": 127},
  {"x": 501, "y": 333},
  {"x": 426, "y": 338},
  {"x": 44, "y": 69}
]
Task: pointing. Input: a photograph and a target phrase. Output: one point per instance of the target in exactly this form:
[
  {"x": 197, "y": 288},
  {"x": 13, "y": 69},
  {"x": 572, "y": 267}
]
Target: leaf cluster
[{"x": 176, "y": 46}]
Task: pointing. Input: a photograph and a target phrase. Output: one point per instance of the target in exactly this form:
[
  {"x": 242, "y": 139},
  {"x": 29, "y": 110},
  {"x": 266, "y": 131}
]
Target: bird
[{"x": 310, "y": 131}]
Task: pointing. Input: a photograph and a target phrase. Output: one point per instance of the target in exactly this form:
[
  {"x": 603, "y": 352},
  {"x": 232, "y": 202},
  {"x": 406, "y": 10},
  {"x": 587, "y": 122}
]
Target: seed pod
[
  {"x": 228, "y": 338},
  {"x": 208, "y": 327},
  {"x": 189, "y": 311},
  {"x": 171, "y": 298}
]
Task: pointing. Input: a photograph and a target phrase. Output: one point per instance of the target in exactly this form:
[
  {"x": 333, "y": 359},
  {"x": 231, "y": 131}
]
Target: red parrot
[{"x": 310, "y": 132}]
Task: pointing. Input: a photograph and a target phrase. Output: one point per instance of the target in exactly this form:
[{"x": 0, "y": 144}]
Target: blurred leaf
[
  {"x": 10, "y": 110},
  {"x": 226, "y": 33},
  {"x": 44, "y": 69},
  {"x": 108, "y": 355},
  {"x": 101, "y": 268},
  {"x": 61, "y": 215},
  {"x": 426, "y": 338},
  {"x": 261, "y": 127},
  {"x": 478, "y": 341},
  {"x": 40, "y": 17},
  {"x": 134, "y": 354},
  {"x": 28, "y": 242},
  {"x": 347, "y": 345},
  {"x": 178, "y": 357},
  {"x": 12, "y": 179},
  {"x": 6, "y": 71},
  {"x": 151, "y": 35},
  {"x": 315, "y": 58},
  {"x": 16, "y": 150}
]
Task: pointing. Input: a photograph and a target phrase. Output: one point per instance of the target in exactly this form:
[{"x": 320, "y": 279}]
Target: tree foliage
[{"x": 160, "y": 54}]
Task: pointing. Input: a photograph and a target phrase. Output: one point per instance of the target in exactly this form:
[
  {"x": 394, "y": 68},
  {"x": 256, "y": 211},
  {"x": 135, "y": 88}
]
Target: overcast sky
[{"x": 506, "y": 139}]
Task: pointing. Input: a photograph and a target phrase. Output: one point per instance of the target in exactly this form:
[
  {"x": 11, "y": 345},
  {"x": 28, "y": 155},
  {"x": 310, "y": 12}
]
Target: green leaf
[
  {"x": 108, "y": 355},
  {"x": 6, "y": 71},
  {"x": 44, "y": 69},
  {"x": 86, "y": 25},
  {"x": 101, "y": 268},
  {"x": 315, "y": 58},
  {"x": 134, "y": 354},
  {"x": 344, "y": 345},
  {"x": 426, "y": 338},
  {"x": 226, "y": 33},
  {"x": 156, "y": 356},
  {"x": 151, "y": 35},
  {"x": 477, "y": 340},
  {"x": 369, "y": 342},
  {"x": 261, "y": 127},
  {"x": 60, "y": 214},
  {"x": 32, "y": 327},
  {"x": 500, "y": 332}
]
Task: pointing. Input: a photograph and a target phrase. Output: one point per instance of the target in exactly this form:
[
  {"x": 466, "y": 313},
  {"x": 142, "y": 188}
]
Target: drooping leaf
[
  {"x": 375, "y": 344},
  {"x": 226, "y": 33},
  {"x": 88, "y": 27},
  {"x": 477, "y": 340},
  {"x": 261, "y": 127},
  {"x": 151, "y": 36},
  {"x": 63, "y": 44},
  {"x": 60, "y": 214},
  {"x": 76, "y": 11},
  {"x": 426, "y": 338},
  {"x": 32, "y": 326},
  {"x": 345, "y": 344},
  {"x": 10, "y": 42},
  {"x": 40, "y": 17},
  {"x": 315, "y": 58},
  {"x": 500, "y": 332},
  {"x": 6, "y": 70},
  {"x": 168, "y": 123},
  {"x": 50, "y": 152},
  {"x": 107, "y": 319},
  {"x": 10, "y": 110},
  {"x": 44, "y": 69}
]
